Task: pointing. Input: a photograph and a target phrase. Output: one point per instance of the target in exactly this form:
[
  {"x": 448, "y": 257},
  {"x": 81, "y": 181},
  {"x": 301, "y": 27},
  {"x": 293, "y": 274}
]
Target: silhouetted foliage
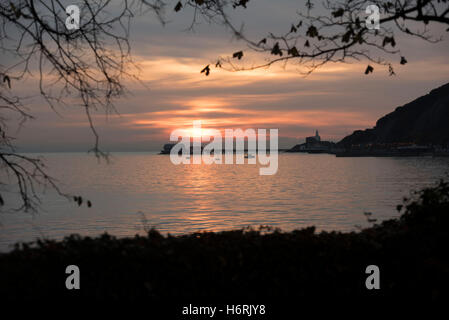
[{"x": 338, "y": 35}]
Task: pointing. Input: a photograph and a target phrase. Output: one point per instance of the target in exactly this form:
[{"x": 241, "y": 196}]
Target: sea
[{"x": 134, "y": 192}]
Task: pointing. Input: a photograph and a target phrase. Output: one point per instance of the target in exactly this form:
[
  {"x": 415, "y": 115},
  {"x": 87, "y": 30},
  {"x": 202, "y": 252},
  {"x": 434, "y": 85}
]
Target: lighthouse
[{"x": 317, "y": 136}]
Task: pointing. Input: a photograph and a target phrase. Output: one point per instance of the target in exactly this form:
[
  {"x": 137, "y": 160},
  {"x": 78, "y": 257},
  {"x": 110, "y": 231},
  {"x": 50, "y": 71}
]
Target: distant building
[
  {"x": 316, "y": 139},
  {"x": 314, "y": 144}
]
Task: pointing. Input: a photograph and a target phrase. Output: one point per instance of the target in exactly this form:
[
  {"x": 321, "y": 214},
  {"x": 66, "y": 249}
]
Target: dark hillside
[{"x": 422, "y": 121}]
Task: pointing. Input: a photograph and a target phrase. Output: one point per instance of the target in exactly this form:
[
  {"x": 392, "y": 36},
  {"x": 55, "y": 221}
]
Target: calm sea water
[{"x": 139, "y": 190}]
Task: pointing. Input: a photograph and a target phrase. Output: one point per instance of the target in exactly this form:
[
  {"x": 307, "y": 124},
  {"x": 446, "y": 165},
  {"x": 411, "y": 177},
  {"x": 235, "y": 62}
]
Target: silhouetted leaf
[
  {"x": 15, "y": 10},
  {"x": 238, "y": 55},
  {"x": 241, "y": 3},
  {"x": 263, "y": 41},
  {"x": 178, "y": 6},
  {"x": 307, "y": 44},
  {"x": 393, "y": 42},
  {"x": 369, "y": 69},
  {"x": 7, "y": 80},
  {"x": 1, "y": 201},
  {"x": 338, "y": 13},
  {"x": 312, "y": 32},
  {"x": 403, "y": 60},
  {"x": 218, "y": 64},
  {"x": 89, "y": 204},
  {"x": 206, "y": 70},
  {"x": 293, "y": 51},
  {"x": 309, "y": 4},
  {"x": 276, "y": 50},
  {"x": 389, "y": 40},
  {"x": 293, "y": 29},
  {"x": 391, "y": 70},
  {"x": 346, "y": 37}
]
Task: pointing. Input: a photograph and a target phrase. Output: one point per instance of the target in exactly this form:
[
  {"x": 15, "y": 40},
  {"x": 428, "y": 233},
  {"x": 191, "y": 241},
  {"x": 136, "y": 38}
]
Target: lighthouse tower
[{"x": 317, "y": 136}]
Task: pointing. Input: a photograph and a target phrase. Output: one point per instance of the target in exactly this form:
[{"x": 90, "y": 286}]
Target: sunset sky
[{"x": 336, "y": 99}]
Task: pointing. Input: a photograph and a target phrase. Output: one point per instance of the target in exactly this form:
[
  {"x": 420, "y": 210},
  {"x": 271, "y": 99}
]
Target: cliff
[{"x": 422, "y": 121}]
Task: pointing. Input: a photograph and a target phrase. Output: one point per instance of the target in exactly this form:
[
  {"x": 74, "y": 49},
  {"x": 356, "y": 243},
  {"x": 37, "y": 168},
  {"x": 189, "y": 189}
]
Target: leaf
[
  {"x": 403, "y": 60},
  {"x": 307, "y": 44},
  {"x": 293, "y": 29},
  {"x": 299, "y": 24},
  {"x": 218, "y": 64},
  {"x": 8, "y": 80},
  {"x": 391, "y": 70},
  {"x": 14, "y": 9},
  {"x": 206, "y": 70},
  {"x": 276, "y": 50},
  {"x": 241, "y": 3},
  {"x": 312, "y": 32},
  {"x": 1, "y": 201},
  {"x": 238, "y": 55},
  {"x": 388, "y": 40},
  {"x": 89, "y": 204},
  {"x": 346, "y": 37},
  {"x": 178, "y": 6},
  {"x": 369, "y": 69},
  {"x": 393, "y": 42},
  {"x": 263, "y": 41},
  {"x": 338, "y": 13},
  {"x": 294, "y": 52}
]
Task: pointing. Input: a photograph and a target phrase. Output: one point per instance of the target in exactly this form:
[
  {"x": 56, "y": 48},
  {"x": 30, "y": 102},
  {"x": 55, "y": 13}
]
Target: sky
[{"x": 336, "y": 99}]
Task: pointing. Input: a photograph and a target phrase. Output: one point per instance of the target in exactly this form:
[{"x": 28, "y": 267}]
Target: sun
[{"x": 199, "y": 132}]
